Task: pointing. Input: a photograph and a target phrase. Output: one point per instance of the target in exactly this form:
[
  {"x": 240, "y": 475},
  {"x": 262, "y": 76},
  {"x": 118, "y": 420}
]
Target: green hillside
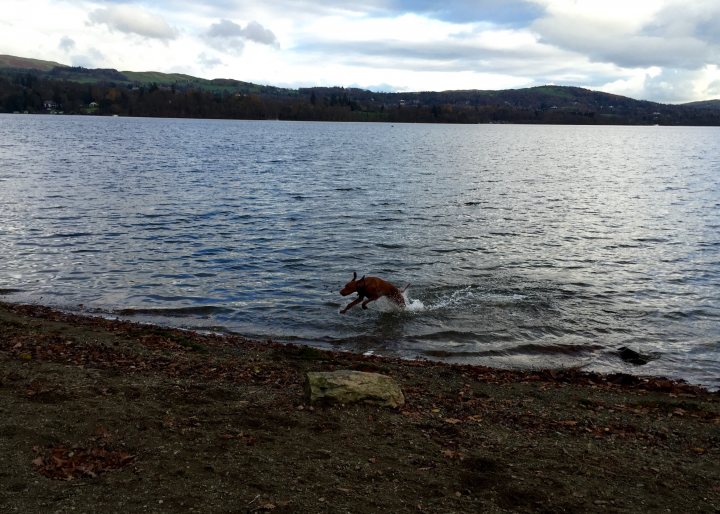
[
  {"x": 23, "y": 63},
  {"x": 188, "y": 81},
  {"x": 82, "y": 75}
]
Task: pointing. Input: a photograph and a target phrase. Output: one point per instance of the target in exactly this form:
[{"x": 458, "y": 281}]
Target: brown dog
[{"x": 371, "y": 288}]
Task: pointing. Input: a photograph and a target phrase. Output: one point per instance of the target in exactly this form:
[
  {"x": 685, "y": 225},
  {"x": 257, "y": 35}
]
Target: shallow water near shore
[{"x": 525, "y": 246}]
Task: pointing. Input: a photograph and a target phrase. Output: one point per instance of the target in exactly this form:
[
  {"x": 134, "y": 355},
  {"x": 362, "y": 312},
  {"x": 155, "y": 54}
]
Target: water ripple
[{"x": 521, "y": 249}]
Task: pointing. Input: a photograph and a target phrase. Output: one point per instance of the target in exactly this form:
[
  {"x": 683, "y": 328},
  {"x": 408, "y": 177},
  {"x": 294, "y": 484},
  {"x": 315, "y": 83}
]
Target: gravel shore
[{"x": 102, "y": 415}]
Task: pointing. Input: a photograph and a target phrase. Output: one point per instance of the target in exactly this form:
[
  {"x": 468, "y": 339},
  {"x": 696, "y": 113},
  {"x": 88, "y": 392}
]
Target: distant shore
[{"x": 115, "y": 416}]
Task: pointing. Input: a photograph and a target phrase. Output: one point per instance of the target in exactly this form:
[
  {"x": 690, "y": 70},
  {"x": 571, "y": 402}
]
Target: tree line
[{"x": 42, "y": 93}]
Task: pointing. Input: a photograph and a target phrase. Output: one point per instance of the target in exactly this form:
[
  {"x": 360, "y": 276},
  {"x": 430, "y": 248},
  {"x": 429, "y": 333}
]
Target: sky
[{"x": 661, "y": 50}]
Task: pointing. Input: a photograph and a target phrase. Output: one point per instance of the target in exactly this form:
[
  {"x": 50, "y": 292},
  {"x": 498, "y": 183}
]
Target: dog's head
[{"x": 351, "y": 286}]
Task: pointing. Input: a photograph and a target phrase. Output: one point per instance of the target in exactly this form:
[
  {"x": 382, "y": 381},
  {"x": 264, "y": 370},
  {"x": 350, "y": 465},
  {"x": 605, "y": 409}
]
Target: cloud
[
  {"x": 228, "y": 36},
  {"x": 259, "y": 34},
  {"x": 635, "y": 35},
  {"x": 699, "y": 19},
  {"x": 92, "y": 59},
  {"x": 626, "y": 50},
  {"x": 207, "y": 61},
  {"x": 225, "y": 29},
  {"x": 133, "y": 20},
  {"x": 380, "y": 88},
  {"x": 672, "y": 86},
  {"x": 512, "y": 13},
  {"x": 66, "y": 44},
  {"x": 713, "y": 88},
  {"x": 667, "y": 85},
  {"x": 416, "y": 44}
]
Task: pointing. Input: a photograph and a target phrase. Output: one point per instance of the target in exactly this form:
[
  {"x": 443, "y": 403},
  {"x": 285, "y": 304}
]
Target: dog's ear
[
  {"x": 354, "y": 276},
  {"x": 363, "y": 278}
]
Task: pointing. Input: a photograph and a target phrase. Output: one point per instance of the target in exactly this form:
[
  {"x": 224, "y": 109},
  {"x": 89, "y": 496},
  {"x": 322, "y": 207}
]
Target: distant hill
[
  {"x": 99, "y": 75},
  {"x": 34, "y": 86},
  {"x": 23, "y": 63},
  {"x": 706, "y": 104}
]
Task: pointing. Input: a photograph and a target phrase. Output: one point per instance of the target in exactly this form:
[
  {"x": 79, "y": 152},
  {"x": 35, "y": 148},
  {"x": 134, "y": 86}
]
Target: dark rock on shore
[{"x": 633, "y": 357}]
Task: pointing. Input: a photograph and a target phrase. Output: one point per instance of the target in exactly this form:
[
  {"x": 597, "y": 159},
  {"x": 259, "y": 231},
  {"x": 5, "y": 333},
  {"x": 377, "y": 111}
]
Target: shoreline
[
  {"x": 568, "y": 374},
  {"x": 165, "y": 419},
  {"x": 626, "y": 354}
]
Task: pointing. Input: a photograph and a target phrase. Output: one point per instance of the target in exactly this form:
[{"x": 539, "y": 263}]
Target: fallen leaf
[
  {"x": 452, "y": 454},
  {"x": 68, "y": 464},
  {"x": 568, "y": 423}
]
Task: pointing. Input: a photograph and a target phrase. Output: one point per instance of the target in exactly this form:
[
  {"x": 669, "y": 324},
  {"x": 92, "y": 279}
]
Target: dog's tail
[{"x": 404, "y": 288}]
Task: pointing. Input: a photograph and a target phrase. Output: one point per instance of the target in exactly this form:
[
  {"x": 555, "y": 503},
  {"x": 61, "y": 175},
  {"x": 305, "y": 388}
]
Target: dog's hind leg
[{"x": 398, "y": 299}]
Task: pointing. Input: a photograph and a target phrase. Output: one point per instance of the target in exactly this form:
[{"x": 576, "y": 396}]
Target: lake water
[{"x": 526, "y": 246}]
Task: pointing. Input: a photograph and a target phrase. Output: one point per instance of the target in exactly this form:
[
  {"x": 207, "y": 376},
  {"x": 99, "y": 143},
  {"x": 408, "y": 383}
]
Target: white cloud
[
  {"x": 666, "y": 33},
  {"x": 66, "y": 44},
  {"x": 664, "y": 50},
  {"x": 225, "y": 29},
  {"x": 672, "y": 85},
  {"x": 668, "y": 85},
  {"x": 259, "y": 34},
  {"x": 699, "y": 19},
  {"x": 228, "y": 36},
  {"x": 133, "y": 20},
  {"x": 207, "y": 61},
  {"x": 93, "y": 58}
]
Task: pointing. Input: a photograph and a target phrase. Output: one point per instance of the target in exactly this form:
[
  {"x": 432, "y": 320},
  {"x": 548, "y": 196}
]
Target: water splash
[
  {"x": 471, "y": 297},
  {"x": 414, "y": 305}
]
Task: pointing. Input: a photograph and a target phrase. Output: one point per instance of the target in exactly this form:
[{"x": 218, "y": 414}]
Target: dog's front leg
[
  {"x": 352, "y": 304},
  {"x": 364, "y": 305}
]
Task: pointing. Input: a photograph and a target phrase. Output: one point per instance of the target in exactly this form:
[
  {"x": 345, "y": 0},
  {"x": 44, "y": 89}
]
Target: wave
[
  {"x": 559, "y": 353},
  {"x": 202, "y": 310},
  {"x": 549, "y": 349},
  {"x": 67, "y": 234}
]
